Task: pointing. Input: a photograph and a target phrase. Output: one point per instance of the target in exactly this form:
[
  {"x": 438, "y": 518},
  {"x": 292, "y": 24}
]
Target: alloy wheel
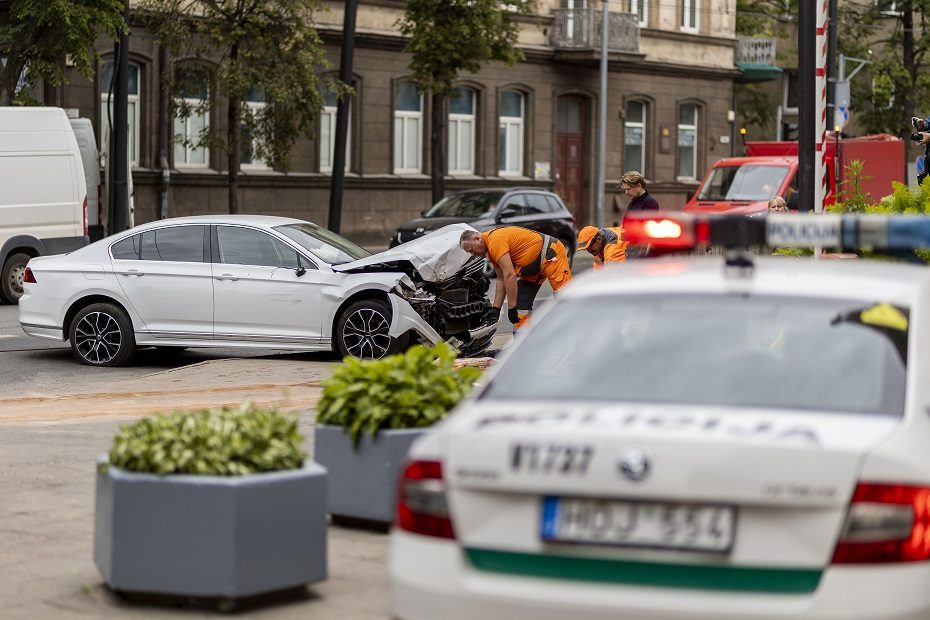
[
  {"x": 366, "y": 334},
  {"x": 98, "y": 337}
]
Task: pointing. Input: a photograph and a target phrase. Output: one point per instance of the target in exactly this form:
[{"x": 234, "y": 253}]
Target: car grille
[
  {"x": 474, "y": 266},
  {"x": 456, "y": 295}
]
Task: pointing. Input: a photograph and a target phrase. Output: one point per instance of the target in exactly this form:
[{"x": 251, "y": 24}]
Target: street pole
[
  {"x": 118, "y": 160},
  {"x": 342, "y": 116},
  {"x": 602, "y": 119},
  {"x": 831, "y": 60},
  {"x": 807, "y": 54}
]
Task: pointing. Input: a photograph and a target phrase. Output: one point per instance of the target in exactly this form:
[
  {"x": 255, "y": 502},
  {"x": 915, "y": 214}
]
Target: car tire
[
  {"x": 362, "y": 331},
  {"x": 102, "y": 335},
  {"x": 11, "y": 277}
]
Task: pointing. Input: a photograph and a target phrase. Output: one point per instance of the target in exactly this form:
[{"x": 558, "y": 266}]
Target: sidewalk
[{"x": 50, "y": 444}]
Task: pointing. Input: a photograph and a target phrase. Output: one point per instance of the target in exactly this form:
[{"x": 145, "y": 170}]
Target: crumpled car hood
[{"x": 436, "y": 256}]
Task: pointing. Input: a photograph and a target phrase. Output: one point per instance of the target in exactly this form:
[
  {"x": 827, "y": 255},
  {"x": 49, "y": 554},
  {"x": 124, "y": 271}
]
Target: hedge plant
[
  {"x": 410, "y": 390},
  {"x": 219, "y": 442}
]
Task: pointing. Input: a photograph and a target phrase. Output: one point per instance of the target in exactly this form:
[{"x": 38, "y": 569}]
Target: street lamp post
[{"x": 602, "y": 119}]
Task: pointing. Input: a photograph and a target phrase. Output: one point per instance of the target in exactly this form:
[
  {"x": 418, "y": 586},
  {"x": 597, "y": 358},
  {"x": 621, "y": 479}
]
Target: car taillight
[
  {"x": 886, "y": 523},
  {"x": 421, "y": 501},
  {"x": 29, "y": 277},
  {"x": 85, "y": 215}
]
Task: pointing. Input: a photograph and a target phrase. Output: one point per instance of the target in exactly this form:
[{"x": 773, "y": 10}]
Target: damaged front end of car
[
  {"x": 454, "y": 307},
  {"x": 441, "y": 292}
]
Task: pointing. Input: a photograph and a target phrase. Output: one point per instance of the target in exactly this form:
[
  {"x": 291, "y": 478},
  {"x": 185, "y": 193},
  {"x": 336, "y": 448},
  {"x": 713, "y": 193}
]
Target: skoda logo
[{"x": 634, "y": 464}]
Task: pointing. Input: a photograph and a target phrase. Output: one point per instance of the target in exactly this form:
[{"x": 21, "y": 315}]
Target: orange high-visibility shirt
[
  {"x": 523, "y": 245},
  {"x": 613, "y": 252}
]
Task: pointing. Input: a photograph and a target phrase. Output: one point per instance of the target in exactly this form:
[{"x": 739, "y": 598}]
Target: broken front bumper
[{"x": 404, "y": 318}]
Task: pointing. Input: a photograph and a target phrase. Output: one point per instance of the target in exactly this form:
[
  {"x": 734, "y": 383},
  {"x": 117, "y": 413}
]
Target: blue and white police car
[{"x": 734, "y": 437}]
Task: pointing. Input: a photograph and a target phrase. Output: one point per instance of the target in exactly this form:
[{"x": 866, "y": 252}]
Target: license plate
[{"x": 688, "y": 527}]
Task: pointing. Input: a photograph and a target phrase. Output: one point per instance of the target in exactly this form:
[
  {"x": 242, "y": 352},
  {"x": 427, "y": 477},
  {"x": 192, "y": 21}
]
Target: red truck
[{"x": 745, "y": 184}]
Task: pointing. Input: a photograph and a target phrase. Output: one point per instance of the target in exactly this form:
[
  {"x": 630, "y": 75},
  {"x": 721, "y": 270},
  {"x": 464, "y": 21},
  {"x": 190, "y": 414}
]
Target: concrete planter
[
  {"x": 210, "y": 536},
  {"x": 363, "y": 480}
]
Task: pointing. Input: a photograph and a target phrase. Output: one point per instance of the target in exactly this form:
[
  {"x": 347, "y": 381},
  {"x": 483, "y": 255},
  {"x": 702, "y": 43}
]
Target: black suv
[{"x": 530, "y": 207}]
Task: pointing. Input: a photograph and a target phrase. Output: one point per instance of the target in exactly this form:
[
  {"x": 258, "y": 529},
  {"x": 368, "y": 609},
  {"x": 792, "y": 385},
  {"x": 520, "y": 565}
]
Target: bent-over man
[
  {"x": 522, "y": 259},
  {"x": 606, "y": 245}
]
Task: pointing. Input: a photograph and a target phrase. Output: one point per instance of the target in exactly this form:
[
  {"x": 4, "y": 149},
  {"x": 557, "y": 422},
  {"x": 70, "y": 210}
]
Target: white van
[
  {"x": 43, "y": 194},
  {"x": 90, "y": 156}
]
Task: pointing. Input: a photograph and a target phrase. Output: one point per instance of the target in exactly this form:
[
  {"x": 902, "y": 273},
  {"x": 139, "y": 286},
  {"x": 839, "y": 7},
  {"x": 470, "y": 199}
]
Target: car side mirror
[
  {"x": 300, "y": 267},
  {"x": 424, "y": 212},
  {"x": 506, "y": 212}
]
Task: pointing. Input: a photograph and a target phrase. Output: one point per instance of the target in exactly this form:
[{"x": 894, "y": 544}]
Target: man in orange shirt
[
  {"x": 522, "y": 259},
  {"x": 604, "y": 244}
]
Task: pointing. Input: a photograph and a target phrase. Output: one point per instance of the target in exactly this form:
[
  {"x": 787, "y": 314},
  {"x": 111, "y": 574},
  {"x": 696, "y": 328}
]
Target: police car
[{"x": 735, "y": 437}]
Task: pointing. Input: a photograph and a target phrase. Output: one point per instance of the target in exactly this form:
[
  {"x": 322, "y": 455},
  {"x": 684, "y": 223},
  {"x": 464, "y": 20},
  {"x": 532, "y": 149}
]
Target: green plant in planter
[
  {"x": 411, "y": 390},
  {"x": 218, "y": 442}
]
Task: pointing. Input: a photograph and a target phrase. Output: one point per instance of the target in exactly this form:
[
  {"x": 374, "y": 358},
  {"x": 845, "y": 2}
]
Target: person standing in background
[{"x": 634, "y": 185}]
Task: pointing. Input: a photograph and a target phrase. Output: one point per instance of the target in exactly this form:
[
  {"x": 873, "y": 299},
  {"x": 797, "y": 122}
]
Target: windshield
[
  {"x": 743, "y": 182},
  {"x": 324, "y": 244},
  {"x": 473, "y": 204},
  {"x": 739, "y": 351}
]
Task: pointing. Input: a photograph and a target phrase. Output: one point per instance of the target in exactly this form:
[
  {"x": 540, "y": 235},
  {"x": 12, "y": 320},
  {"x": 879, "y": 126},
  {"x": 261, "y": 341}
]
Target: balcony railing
[
  {"x": 580, "y": 29},
  {"x": 755, "y": 51}
]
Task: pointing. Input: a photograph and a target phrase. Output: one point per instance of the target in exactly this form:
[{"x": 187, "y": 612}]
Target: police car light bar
[{"x": 683, "y": 231}]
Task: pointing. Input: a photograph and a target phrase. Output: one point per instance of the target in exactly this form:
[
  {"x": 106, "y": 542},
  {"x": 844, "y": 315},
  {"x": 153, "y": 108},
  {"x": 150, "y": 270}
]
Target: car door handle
[
  {"x": 227, "y": 276},
  {"x": 132, "y": 272}
]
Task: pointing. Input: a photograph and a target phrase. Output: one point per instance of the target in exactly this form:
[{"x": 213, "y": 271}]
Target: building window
[
  {"x": 328, "y": 132},
  {"x": 191, "y": 119},
  {"x": 510, "y": 155},
  {"x": 687, "y": 141},
  {"x": 106, "y": 111},
  {"x": 408, "y": 129},
  {"x": 634, "y": 137},
  {"x": 640, "y": 8},
  {"x": 462, "y": 131},
  {"x": 255, "y": 103},
  {"x": 691, "y": 15}
]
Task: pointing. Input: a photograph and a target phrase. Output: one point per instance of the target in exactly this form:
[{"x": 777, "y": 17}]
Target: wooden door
[{"x": 571, "y": 127}]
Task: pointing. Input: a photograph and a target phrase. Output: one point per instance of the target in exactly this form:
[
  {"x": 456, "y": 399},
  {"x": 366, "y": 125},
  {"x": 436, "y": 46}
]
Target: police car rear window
[{"x": 725, "y": 350}]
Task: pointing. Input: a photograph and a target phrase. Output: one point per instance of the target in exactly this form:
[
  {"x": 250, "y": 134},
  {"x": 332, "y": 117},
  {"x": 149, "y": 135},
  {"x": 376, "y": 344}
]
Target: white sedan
[
  {"x": 254, "y": 281},
  {"x": 688, "y": 439}
]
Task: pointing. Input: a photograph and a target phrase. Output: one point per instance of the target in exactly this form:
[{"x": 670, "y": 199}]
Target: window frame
[
  {"x": 455, "y": 120},
  {"x": 641, "y": 10},
  {"x": 688, "y": 7},
  {"x": 644, "y": 126},
  {"x": 135, "y": 104},
  {"x": 205, "y": 254},
  {"x": 503, "y": 167},
  {"x": 254, "y": 164},
  {"x": 195, "y": 104},
  {"x": 330, "y": 112},
  {"x": 696, "y": 127},
  {"x": 405, "y": 116}
]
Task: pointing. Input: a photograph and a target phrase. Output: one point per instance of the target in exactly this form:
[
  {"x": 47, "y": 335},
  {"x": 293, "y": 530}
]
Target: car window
[
  {"x": 326, "y": 245},
  {"x": 127, "y": 249},
  {"x": 554, "y": 205},
  {"x": 471, "y": 204},
  {"x": 536, "y": 204},
  {"x": 516, "y": 204},
  {"x": 779, "y": 353},
  {"x": 183, "y": 244},
  {"x": 247, "y": 246}
]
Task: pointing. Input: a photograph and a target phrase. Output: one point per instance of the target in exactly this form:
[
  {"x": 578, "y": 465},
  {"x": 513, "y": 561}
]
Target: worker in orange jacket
[
  {"x": 606, "y": 245},
  {"x": 522, "y": 259}
]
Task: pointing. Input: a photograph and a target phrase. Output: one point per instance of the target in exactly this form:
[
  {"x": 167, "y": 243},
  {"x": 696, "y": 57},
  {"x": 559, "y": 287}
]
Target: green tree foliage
[
  {"x": 37, "y": 35},
  {"x": 411, "y": 390},
  {"x": 265, "y": 47},
  {"x": 452, "y": 37},
  {"x": 897, "y": 42}
]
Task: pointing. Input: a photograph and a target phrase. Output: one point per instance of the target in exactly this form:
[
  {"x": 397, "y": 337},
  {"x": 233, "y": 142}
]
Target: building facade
[{"x": 669, "y": 115}]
